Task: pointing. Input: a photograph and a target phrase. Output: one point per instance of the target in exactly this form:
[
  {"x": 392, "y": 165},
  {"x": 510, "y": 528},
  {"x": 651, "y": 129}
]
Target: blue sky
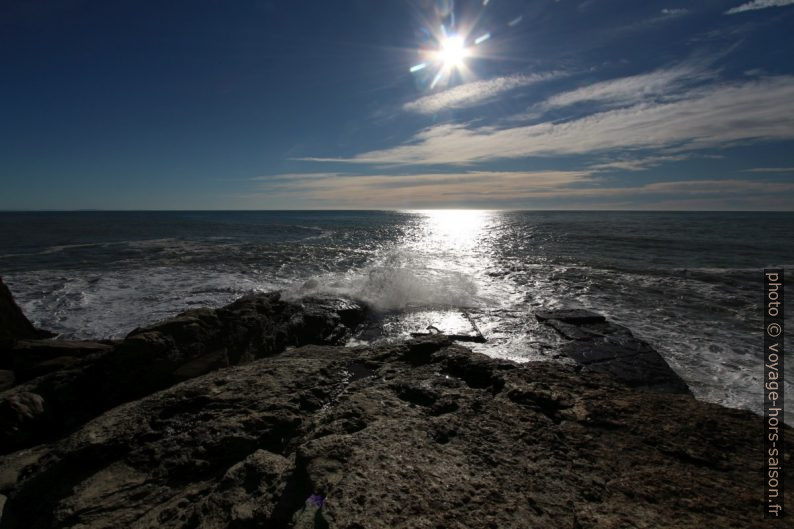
[{"x": 588, "y": 104}]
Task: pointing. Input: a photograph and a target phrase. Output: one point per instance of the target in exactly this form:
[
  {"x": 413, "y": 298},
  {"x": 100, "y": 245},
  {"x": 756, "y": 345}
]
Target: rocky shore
[{"x": 256, "y": 415}]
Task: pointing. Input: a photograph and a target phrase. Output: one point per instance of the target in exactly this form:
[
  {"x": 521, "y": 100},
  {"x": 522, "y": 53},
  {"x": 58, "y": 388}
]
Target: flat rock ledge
[
  {"x": 606, "y": 347},
  {"x": 249, "y": 416}
]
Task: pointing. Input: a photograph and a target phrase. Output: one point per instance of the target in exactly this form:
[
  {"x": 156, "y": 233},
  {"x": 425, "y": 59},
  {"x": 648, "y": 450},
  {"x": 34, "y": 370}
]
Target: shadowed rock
[
  {"x": 33, "y": 358},
  {"x": 7, "y": 379},
  {"x": 78, "y": 380},
  {"x": 416, "y": 434}
]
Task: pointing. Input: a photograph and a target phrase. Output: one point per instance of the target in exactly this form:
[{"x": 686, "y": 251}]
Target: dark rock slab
[
  {"x": 430, "y": 435},
  {"x": 572, "y": 316},
  {"x": 325, "y": 320},
  {"x": 603, "y": 346},
  {"x": 22, "y": 415},
  {"x": 568, "y": 331},
  {"x": 350, "y": 312},
  {"x": 7, "y": 379},
  {"x": 38, "y": 350},
  {"x": 34, "y": 358},
  {"x": 635, "y": 363},
  {"x": 588, "y": 331}
]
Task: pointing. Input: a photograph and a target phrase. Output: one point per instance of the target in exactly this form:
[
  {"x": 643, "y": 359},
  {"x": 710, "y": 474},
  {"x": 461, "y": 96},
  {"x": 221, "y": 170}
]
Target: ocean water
[{"x": 688, "y": 283}]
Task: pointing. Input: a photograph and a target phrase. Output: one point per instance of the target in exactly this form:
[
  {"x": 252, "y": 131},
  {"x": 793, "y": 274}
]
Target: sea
[{"x": 689, "y": 283}]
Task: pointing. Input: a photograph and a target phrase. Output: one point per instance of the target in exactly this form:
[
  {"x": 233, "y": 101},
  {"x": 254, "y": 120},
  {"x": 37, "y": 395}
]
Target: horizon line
[{"x": 218, "y": 210}]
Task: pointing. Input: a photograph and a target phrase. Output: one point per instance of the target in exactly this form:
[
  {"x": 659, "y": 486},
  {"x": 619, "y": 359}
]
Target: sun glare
[
  {"x": 454, "y": 229},
  {"x": 452, "y": 51}
]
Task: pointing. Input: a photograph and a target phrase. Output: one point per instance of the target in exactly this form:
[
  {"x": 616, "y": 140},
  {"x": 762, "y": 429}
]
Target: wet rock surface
[
  {"x": 605, "y": 347},
  {"x": 417, "y": 322},
  {"x": 571, "y": 316},
  {"x": 418, "y": 434}
]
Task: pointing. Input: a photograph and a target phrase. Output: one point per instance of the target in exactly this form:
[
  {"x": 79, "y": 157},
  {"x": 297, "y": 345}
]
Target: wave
[{"x": 392, "y": 288}]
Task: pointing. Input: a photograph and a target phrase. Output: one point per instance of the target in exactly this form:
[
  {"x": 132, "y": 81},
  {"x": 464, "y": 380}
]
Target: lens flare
[
  {"x": 452, "y": 52},
  {"x": 447, "y": 47}
]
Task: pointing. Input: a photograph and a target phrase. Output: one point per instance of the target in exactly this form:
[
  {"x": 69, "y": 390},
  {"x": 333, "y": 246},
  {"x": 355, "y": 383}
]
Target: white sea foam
[
  {"x": 391, "y": 288},
  {"x": 111, "y": 304}
]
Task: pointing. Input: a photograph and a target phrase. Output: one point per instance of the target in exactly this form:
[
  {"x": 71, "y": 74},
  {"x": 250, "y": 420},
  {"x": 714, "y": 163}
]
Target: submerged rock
[{"x": 418, "y": 434}]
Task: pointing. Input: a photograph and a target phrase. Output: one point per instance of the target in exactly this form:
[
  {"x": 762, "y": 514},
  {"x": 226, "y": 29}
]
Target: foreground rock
[
  {"x": 420, "y": 434},
  {"x": 61, "y": 384},
  {"x": 605, "y": 347},
  {"x": 252, "y": 416}
]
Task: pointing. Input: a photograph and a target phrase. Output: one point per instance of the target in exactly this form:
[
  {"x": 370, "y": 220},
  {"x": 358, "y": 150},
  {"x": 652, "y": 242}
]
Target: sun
[
  {"x": 445, "y": 57},
  {"x": 452, "y": 52}
]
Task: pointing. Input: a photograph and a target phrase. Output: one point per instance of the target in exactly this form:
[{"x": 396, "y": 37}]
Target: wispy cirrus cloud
[
  {"x": 474, "y": 93},
  {"x": 498, "y": 188},
  {"x": 715, "y": 187},
  {"x": 298, "y": 176},
  {"x": 643, "y": 163},
  {"x": 675, "y": 12},
  {"x": 423, "y": 188},
  {"x": 758, "y": 4},
  {"x": 663, "y": 84},
  {"x": 770, "y": 170},
  {"x": 638, "y": 164},
  {"x": 718, "y": 115}
]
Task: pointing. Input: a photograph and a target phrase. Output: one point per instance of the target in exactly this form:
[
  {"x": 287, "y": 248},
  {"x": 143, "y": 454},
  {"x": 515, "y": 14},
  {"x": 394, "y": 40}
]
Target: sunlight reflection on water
[
  {"x": 453, "y": 240},
  {"x": 454, "y": 229}
]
